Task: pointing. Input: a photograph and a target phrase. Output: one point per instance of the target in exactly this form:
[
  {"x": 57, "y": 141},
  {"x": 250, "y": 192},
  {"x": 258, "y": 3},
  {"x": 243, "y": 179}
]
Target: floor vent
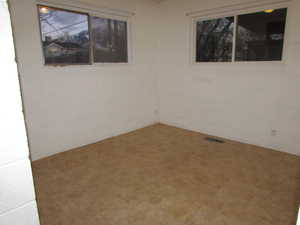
[{"x": 214, "y": 140}]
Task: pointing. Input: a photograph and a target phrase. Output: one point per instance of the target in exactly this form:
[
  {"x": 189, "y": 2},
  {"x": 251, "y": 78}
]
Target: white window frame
[
  {"x": 221, "y": 13},
  {"x": 102, "y": 12}
]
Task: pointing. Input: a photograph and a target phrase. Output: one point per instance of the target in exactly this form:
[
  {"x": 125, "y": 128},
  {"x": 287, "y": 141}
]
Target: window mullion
[
  {"x": 92, "y": 61},
  {"x": 234, "y": 38}
]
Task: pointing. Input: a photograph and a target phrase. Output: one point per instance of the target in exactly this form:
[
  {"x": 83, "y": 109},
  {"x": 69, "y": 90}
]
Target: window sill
[
  {"x": 244, "y": 63},
  {"x": 93, "y": 65}
]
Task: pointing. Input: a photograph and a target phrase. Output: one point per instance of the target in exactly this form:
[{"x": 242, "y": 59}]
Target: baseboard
[{"x": 228, "y": 137}]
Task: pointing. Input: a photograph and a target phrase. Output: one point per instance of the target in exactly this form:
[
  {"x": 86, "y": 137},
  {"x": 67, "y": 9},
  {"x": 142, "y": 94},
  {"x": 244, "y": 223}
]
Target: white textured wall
[
  {"x": 71, "y": 106},
  {"x": 17, "y": 197},
  {"x": 241, "y": 101}
]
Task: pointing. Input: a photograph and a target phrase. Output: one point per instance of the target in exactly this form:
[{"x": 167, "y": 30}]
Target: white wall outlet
[{"x": 273, "y": 133}]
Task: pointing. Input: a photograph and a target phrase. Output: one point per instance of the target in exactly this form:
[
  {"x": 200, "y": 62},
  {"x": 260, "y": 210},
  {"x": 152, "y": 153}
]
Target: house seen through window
[
  {"x": 68, "y": 39},
  {"x": 65, "y": 36}
]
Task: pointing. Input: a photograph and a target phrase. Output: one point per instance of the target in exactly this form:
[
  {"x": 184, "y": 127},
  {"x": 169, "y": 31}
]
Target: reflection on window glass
[
  {"x": 65, "y": 36},
  {"x": 260, "y": 36},
  {"x": 214, "y": 40},
  {"x": 109, "y": 40}
]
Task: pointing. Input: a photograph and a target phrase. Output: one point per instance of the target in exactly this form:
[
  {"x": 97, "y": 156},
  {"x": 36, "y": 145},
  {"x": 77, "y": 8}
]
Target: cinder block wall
[{"x": 17, "y": 197}]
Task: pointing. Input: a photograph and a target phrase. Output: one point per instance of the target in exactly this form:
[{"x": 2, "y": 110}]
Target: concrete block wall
[{"x": 17, "y": 196}]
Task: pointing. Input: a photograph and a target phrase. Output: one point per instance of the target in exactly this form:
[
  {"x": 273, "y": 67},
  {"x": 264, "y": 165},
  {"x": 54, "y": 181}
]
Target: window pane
[
  {"x": 65, "y": 36},
  {"x": 109, "y": 40},
  {"x": 214, "y": 40},
  {"x": 260, "y": 36}
]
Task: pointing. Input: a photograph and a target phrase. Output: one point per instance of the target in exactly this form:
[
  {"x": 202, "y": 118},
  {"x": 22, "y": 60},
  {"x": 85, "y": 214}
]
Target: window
[
  {"x": 260, "y": 36},
  {"x": 214, "y": 40},
  {"x": 109, "y": 40},
  {"x": 68, "y": 38},
  {"x": 65, "y": 36},
  {"x": 250, "y": 37}
]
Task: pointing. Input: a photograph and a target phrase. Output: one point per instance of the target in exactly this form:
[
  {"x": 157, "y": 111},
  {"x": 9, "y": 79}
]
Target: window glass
[
  {"x": 214, "y": 40},
  {"x": 109, "y": 40},
  {"x": 260, "y": 35},
  {"x": 65, "y": 36}
]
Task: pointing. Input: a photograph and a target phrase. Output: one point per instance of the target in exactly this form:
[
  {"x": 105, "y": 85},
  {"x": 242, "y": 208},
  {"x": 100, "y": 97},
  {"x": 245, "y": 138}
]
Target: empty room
[{"x": 149, "y": 112}]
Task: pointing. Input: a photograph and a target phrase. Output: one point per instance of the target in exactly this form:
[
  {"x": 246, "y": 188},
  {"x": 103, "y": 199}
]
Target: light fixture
[
  {"x": 269, "y": 11},
  {"x": 44, "y": 10}
]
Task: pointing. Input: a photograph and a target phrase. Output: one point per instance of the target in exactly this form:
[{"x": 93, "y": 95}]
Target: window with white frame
[
  {"x": 256, "y": 36},
  {"x": 70, "y": 37}
]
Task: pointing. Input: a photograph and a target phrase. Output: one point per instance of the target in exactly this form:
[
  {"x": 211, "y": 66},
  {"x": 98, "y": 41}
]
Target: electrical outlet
[{"x": 274, "y": 133}]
